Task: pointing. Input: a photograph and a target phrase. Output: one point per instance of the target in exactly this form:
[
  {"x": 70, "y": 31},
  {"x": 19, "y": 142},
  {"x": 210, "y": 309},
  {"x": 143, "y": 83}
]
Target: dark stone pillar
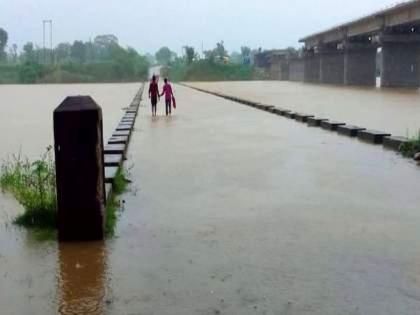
[
  {"x": 311, "y": 67},
  {"x": 80, "y": 169},
  {"x": 331, "y": 66},
  {"x": 360, "y": 65},
  {"x": 400, "y": 61},
  {"x": 296, "y": 69}
]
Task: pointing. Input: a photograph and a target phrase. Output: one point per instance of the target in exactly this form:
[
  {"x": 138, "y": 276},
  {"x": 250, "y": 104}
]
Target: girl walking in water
[
  {"x": 167, "y": 90},
  {"x": 153, "y": 94}
]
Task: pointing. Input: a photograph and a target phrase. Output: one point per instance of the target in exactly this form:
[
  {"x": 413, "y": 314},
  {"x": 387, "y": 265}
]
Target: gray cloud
[{"x": 148, "y": 25}]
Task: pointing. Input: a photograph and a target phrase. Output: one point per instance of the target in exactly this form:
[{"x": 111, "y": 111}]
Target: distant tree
[
  {"x": 78, "y": 51},
  {"x": 236, "y": 58},
  {"x": 220, "y": 51},
  {"x": 29, "y": 54},
  {"x": 190, "y": 54},
  {"x": 210, "y": 55},
  {"x": 164, "y": 55},
  {"x": 105, "y": 41},
  {"x": 63, "y": 51},
  {"x": 150, "y": 58},
  {"x": 3, "y": 42},
  {"x": 13, "y": 54}
]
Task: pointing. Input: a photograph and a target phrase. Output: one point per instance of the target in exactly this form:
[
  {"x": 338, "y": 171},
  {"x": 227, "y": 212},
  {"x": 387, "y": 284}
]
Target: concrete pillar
[
  {"x": 296, "y": 69},
  {"x": 311, "y": 67},
  {"x": 360, "y": 65},
  {"x": 331, "y": 66},
  {"x": 80, "y": 169},
  {"x": 400, "y": 61}
]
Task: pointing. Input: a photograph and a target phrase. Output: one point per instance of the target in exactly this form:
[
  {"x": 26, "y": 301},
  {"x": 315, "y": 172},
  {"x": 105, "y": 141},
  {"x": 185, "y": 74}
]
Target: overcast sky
[{"x": 148, "y": 25}]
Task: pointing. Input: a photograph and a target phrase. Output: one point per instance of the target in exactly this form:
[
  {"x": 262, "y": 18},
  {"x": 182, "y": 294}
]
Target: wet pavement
[
  {"x": 392, "y": 110},
  {"x": 233, "y": 210}
]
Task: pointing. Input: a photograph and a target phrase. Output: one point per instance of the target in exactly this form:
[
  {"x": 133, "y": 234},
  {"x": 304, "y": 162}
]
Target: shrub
[
  {"x": 33, "y": 185},
  {"x": 411, "y": 147}
]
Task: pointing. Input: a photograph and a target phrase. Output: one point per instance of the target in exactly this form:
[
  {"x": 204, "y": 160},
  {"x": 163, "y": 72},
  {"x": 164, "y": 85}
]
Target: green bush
[
  {"x": 33, "y": 185},
  {"x": 205, "y": 70},
  {"x": 411, "y": 147}
]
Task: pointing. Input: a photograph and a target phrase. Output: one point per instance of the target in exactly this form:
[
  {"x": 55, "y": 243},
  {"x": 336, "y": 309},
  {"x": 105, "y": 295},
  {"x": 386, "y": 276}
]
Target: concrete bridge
[{"x": 346, "y": 54}]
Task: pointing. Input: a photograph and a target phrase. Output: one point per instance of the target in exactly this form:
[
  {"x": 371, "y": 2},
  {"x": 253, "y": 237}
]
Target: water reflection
[{"x": 82, "y": 278}]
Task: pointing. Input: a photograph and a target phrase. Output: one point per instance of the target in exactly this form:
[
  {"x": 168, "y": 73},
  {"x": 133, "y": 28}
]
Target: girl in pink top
[{"x": 167, "y": 90}]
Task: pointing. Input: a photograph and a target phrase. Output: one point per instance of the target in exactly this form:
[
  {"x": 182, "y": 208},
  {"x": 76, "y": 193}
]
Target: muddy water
[
  {"x": 235, "y": 211},
  {"x": 26, "y": 112},
  {"x": 393, "y": 110},
  {"x": 44, "y": 278}
]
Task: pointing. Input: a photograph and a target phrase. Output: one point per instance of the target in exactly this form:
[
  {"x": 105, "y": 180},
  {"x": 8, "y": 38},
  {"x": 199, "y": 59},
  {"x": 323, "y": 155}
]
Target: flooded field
[
  {"x": 27, "y": 110},
  {"x": 393, "y": 110},
  {"x": 232, "y": 210}
]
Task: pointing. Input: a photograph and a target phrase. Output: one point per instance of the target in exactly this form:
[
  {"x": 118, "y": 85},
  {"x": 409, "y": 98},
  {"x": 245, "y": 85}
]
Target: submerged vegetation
[
  {"x": 33, "y": 185},
  {"x": 412, "y": 147}
]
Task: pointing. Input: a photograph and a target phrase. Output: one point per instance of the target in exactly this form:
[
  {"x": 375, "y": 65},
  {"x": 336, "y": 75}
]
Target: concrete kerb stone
[
  {"x": 289, "y": 114},
  {"x": 118, "y": 140},
  {"x": 331, "y": 125},
  {"x": 372, "y": 136},
  {"x": 394, "y": 142},
  {"x": 315, "y": 121},
  {"x": 302, "y": 117},
  {"x": 349, "y": 130},
  {"x": 123, "y": 127},
  {"x": 115, "y": 150},
  {"x": 110, "y": 173},
  {"x": 113, "y": 159}
]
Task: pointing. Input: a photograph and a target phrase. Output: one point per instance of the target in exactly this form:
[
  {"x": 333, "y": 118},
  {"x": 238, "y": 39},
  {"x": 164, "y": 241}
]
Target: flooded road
[
  {"x": 393, "y": 110},
  {"x": 234, "y": 211}
]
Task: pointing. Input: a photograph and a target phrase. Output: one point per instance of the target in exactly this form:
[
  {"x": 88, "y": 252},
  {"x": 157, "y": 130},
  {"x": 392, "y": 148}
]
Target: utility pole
[{"x": 44, "y": 22}]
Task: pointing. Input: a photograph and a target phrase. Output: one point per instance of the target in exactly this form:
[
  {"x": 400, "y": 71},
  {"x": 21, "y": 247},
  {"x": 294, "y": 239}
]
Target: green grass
[
  {"x": 411, "y": 147},
  {"x": 33, "y": 185},
  {"x": 113, "y": 204},
  {"x": 203, "y": 70}
]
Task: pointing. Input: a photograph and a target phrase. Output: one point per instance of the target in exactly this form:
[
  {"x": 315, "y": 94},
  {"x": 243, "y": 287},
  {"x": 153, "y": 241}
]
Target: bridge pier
[
  {"x": 296, "y": 69},
  {"x": 400, "y": 61},
  {"x": 360, "y": 65},
  {"x": 331, "y": 66},
  {"x": 311, "y": 67}
]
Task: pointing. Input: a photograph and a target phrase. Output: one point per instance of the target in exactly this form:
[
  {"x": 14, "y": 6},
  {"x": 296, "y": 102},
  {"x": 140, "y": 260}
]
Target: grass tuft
[
  {"x": 33, "y": 185},
  {"x": 410, "y": 148}
]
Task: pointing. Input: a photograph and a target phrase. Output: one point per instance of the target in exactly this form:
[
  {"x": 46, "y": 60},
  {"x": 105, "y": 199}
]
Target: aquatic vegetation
[
  {"x": 113, "y": 204},
  {"x": 33, "y": 184},
  {"x": 412, "y": 147}
]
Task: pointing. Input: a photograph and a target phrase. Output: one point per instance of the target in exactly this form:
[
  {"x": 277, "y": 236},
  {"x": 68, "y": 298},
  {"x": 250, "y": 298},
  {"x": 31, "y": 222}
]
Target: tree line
[{"x": 100, "y": 60}]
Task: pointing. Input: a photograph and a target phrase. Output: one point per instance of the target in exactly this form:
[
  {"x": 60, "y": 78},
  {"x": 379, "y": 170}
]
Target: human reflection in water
[{"x": 82, "y": 278}]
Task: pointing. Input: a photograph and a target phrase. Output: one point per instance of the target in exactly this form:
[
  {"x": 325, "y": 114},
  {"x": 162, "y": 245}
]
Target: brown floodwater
[
  {"x": 393, "y": 110},
  {"x": 232, "y": 210}
]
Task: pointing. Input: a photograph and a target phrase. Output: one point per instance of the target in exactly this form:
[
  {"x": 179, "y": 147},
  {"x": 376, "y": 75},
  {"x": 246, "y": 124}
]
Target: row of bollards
[
  {"x": 85, "y": 166},
  {"x": 371, "y": 136}
]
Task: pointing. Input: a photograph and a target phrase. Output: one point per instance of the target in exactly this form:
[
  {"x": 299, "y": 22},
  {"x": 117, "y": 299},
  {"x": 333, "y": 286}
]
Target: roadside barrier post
[{"x": 79, "y": 169}]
